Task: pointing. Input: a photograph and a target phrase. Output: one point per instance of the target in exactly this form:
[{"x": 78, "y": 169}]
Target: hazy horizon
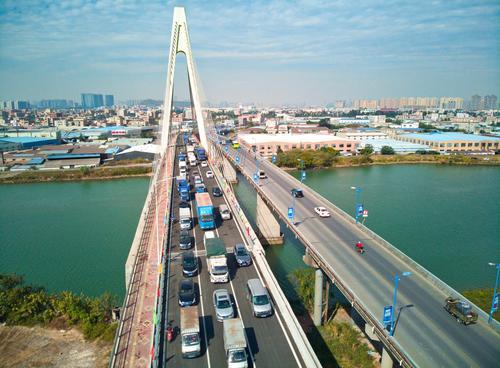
[{"x": 266, "y": 53}]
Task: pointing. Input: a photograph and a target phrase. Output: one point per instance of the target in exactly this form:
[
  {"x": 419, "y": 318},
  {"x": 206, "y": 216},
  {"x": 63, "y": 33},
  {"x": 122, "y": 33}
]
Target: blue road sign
[
  {"x": 303, "y": 176},
  {"x": 274, "y": 159},
  {"x": 291, "y": 212},
  {"x": 387, "y": 317},
  {"x": 495, "y": 303},
  {"x": 255, "y": 177},
  {"x": 359, "y": 209},
  {"x": 237, "y": 159}
]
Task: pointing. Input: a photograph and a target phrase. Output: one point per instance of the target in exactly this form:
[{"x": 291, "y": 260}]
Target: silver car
[{"x": 223, "y": 305}]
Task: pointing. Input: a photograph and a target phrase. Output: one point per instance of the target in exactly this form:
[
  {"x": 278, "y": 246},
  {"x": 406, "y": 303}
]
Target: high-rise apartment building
[
  {"x": 476, "y": 102},
  {"x": 109, "y": 100},
  {"x": 451, "y": 103},
  {"x": 490, "y": 102},
  {"x": 92, "y": 100}
]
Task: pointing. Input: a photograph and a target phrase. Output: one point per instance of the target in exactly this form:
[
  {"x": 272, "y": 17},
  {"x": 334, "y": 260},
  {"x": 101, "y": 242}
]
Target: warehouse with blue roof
[{"x": 13, "y": 143}]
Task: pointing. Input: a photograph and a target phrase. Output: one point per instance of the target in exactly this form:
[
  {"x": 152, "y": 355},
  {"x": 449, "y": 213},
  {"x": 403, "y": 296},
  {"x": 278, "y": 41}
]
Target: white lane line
[{"x": 200, "y": 288}]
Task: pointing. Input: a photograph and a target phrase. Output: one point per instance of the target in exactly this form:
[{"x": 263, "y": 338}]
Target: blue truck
[
  {"x": 183, "y": 188},
  {"x": 205, "y": 211},
  {"x": 200, "y": 154}
]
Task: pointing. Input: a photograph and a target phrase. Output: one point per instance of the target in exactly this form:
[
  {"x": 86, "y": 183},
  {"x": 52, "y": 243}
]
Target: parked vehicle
[
  {"x": 216, "y": 192},
  {"x": 297, "y": 193},
  {"x": 216, "y": 258},
  {"x": 461, "y": 310},
  {"x": 205, "y": 211},
  {"x": 187, "y": 293},
  {"x": 189, "y": 264},
  {"x": 224, "y": 211},
  {"x": 190, "y": 332},
  {"x": 223, "y": 305},
  {"x": 259, "y": 298},
  {"x": 185, "y": 218},
  {"x": 184, "y": 240},
  {"x": 322, "y": 211},
  {"x": 235, "y": 343}
]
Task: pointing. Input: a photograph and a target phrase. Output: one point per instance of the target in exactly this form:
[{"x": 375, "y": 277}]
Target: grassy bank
[
  {"x": 324, "y": 158},
  {"x": 100, "y": 173},
  {"x": 482, "y": 298},
  {"x": 336, "y": 343},
  {"x": 29, "y": 305}
]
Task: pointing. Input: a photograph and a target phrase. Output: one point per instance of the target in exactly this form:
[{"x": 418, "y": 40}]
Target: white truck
[
  {"x": 190, "y": 149},
  {"x": 192, "y": 159},
  {"x": 190, "y": 332},
  {"x": 185, "y": 218},
  {"x": 216, "y": 258},
  {"x": 182, "y": 167},
  {"x": 235, "y": 343}
]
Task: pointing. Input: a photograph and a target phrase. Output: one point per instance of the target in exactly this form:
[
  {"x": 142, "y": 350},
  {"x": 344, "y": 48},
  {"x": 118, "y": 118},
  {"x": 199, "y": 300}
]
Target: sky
[{"x": 262, "y": 52}]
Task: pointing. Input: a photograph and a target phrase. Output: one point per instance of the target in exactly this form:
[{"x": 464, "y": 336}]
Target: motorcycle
[{"x": 359, "y": 248}]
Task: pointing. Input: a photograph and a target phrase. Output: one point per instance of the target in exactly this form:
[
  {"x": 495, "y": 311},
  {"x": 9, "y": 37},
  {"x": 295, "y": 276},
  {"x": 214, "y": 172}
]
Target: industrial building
[{"x": 453, "y": 142}]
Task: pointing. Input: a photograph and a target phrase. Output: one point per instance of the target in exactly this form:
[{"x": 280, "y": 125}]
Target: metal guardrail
[
  {"x": 397, "y": 351},
  {"x": 303, "y": 345}
]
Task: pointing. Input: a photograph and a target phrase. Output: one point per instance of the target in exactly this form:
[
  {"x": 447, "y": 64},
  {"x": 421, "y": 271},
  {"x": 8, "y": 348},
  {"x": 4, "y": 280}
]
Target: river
[{"x": 77, "y": 235}]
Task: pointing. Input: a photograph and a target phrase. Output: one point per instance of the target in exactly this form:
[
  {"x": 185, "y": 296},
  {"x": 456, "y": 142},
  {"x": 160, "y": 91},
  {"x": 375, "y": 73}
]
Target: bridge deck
[{"x": 268, "y": 342}]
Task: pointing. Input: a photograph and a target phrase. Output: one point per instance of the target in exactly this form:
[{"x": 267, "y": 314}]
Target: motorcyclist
[{"x": 359, "y": 246}]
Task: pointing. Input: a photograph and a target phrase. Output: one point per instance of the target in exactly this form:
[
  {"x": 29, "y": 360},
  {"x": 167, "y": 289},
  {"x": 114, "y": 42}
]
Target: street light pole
[
  {"x": 497, "y": 266},
  {"x": 357, "y": 198},
  {"x": 394, "y": 301}
]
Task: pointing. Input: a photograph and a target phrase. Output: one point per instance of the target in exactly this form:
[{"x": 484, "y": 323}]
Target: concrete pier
[
  {"x": 318, "y": 297},
  {"x": 268, "y": 227}
]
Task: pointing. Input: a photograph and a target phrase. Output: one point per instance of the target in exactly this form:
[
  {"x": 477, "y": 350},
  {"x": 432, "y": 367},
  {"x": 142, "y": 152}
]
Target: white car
[
  {"x": 204, "y": 164},
  {"x": 210, "y": 174},
  {"x": 322, "y": 211}
]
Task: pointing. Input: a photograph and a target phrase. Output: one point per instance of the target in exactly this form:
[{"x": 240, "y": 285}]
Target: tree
[
  {"x": 367, "y": 150},
  {"x": 387, "y": 150}
]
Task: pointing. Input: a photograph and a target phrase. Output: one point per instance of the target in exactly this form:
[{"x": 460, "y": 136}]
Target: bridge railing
[
  {"x": 429, "y": 276},
  {"x": 253, "y": 243}
]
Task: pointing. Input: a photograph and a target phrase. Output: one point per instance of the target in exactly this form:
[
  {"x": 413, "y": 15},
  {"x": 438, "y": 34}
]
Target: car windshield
[
  {"x": 241, "y": 252},
  {"x": 207, "y": 218},
  {"x": 224, "y": 303},
  {"x": 189, "y": 262},
  {"x": 189, "y": 340},
  {"x": 219, "y": 270},
  {"x": 237, "y": 356},
  {"x": 260, "y": 300},
  {"x": 185, "y": 239}
]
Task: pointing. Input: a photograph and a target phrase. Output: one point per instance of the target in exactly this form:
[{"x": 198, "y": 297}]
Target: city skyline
[{"x": 310, "y": 53}]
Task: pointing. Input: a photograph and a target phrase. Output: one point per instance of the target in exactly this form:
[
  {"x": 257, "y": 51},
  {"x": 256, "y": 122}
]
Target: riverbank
[
  {"x": 292, "y": 160},
  {"x": 50, "y": 347},
  {"x": 99, "y": 173}
]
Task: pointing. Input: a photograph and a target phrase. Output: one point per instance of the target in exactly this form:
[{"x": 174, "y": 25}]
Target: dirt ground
[{"x": 44, "y": 347}]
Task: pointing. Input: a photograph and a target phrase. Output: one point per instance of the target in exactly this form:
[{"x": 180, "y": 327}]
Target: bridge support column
[
  {"x": 369, "y": 332},
  {"x": 318, "y": 297},
  {"x": 387, "y": 361},
  {"x": 229, "y": 171},
  {"x": 268, "y": 228}
]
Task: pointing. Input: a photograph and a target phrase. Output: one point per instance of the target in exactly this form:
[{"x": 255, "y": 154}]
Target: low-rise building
[
  {"x": 268, "y": 144},
  {"x": 453, "y": 142},
  {"x": 362, "y": 135}
]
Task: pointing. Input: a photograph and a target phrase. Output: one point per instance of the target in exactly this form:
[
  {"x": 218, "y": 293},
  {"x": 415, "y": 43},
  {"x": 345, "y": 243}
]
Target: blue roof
[
  {"x": 444, "y": 137},
  {"x": 36, "y": 161},
  {"x": 26, "y": 139},
  {"x": 112, "y": 150},
  {"x": 65, "y": 156}
]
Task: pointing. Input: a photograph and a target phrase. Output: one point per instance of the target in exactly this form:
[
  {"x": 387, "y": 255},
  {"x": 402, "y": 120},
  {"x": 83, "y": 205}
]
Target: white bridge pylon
[{"x": 179, "y": 42}]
